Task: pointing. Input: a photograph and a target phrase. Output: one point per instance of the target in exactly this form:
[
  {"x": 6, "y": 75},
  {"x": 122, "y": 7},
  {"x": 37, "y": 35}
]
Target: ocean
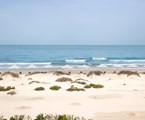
[{"x": 71, "y": 56}]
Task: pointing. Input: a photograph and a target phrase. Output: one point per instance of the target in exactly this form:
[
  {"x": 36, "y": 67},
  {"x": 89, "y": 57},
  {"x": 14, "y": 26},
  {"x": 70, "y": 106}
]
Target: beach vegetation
[
  {"x": 79, "y": 82},
  {"x": 11, "y": 93},
  {"x": 39, "y": 88},
  {"x": 29, "y": 78},
  {"x": 2, "y": 118},
  {"x": 72, "y": 88},
  {"x": 129, "y": 73},
  {"x": 95, "y": 73},
  {"x": 34, "y": 73},
  {"x": 93, "y": 86},
  {"x": 61, "y": 73},
  {"x": 17, "y": 117},
  {"x": 45, "y": 117},
  {"x": 64, "y": 79},
  {"x": 2, "y": 88},
  {"x": 34, "y": 82},
  {"x": 55, "y": 87},
  {"x": 1, "y": 78},
  {"x": 15, "y": 75}
]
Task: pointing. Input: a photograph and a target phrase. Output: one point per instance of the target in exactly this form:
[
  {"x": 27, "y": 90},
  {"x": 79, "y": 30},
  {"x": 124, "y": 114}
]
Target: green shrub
[
  {"x": 40, "y": 117},
  {"x": 55, "y": 87},
  {"x": 97, "y": 86},
  {"x": 17, "y": 117},
  {"x": 94, "y": 73},
  {"x": 15, "y": 75},
  {"x": 64, "y": 79},
  {"x": 129, "y": 73},
  {"x": 1, "y": 78},
  {"x": 61, "y": 73},
  {"x": 72, "y": 88},
  {"x": 34, "y": 82},
  {"x": 2, "y": 118},
  {"x": 39, "y": 88},
  {"x": 45, "y": 117},
  {"x": 2, "y": 88},
  {"x": 62, "y": 117},
  {"x": 87, "y": 86},
  {"x": 94, "y": 86}
]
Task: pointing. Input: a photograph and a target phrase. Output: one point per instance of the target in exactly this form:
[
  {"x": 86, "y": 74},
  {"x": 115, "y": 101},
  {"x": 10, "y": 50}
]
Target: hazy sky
[{"x": 97, "y": 22}]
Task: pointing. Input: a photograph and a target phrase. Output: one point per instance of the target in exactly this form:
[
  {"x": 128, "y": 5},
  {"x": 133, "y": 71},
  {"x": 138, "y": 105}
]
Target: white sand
[{"x": 115, "y": 101}]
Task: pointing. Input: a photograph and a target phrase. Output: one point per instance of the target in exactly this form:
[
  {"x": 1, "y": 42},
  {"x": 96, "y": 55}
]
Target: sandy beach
[{"x": 121, "y": 96}]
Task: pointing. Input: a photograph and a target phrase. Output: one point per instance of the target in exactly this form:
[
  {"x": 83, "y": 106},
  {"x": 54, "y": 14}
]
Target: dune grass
[
  {"x": 72, "y": 88},
  {"x": 61, "y": 73},
  {"x": 64, "y": 79},
  {"x": 39, "y": 88},
  {"x": 11, "y": 93},
  {"x": 55, "y": 87},
  {"x": 93, "y": 86},
  {"x": 2, "y": 88},
  {"x": 95, "y": 73},
  {"x": 45, "y": 117},
  {"x": 129, "y": 73},
  {"x": 34, "y": 82},
  {"x": 15, "y": 75}
]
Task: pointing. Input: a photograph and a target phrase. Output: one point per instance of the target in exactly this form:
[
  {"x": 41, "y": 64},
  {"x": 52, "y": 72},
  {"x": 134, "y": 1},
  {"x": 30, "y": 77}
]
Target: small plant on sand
[
  {"x": 11, "y": 93},
  {"x": 39, "y": 88},
  {"x": 29, "y": 78},
  {"x": 34, "y": 82},
  {"x": 2, "y": 118},
  {"x": 94, "y": 86},
  {"x": 61, "y": 73},
  {"x": 45, "y": 117},
  {"x": 55, "y": 87},
  {"x": 1, "y": 78},
  {"x": 62, "y": 117},
  {"x": 64, "y": 79},
  {"x": 2, "y": 88},
  {"x": 129, "y": 73},
  {"x": 79, "y": 82},
  {"x": 17, "y": 117},
  {"x": 94, "y": 73},
  {"x": 15, "y": 75},
  {"x": 72, "y": 88}
]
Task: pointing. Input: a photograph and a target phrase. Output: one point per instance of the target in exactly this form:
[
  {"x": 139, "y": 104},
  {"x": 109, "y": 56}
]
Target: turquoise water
[{"x": 23, "y": 56}]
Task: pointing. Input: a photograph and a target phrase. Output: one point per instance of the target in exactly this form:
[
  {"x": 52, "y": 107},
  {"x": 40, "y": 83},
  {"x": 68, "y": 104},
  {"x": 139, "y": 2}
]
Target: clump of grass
[
  {"x": 1, "y": 78},
  {"x": 39, "y": 88},
  {"x": 15, "y": 75},
  {"x": 55, "y": 87},
  {"x": 45, "y": 117},
  {"x": 34, "y": 82},
  {"x": 94, "y": 73},
  {"x": 2, "y": 118},
  {"x": 72, "y": 88},
  {"x": 2, "y": 88},
  {"x": 29, "y": 78},
  {"x": 17, "y": 117},
  {"x": 61, "y": 73},
  {"x": 94, "y": 86},
  {"x": 80, "y": 81},
  {"x": 129, "y": 73},
  {"x": 11, "y": 93},
  {"x": 64, "y": 79},
  {"x": 33, "y": 73}
]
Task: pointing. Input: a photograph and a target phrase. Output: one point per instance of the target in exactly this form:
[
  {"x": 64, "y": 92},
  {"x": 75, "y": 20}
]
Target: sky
[{"x": 72, "y": 22}]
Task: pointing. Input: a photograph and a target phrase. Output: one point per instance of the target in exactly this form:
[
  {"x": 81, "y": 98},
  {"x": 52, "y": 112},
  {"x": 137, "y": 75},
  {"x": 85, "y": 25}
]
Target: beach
[{"x": 97, "y": 95}]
